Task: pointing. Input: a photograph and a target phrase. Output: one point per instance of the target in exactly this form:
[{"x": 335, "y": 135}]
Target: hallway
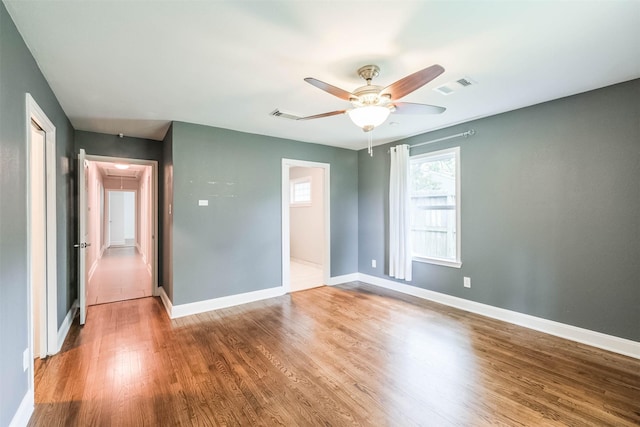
[{"x": 120, "y": 275}]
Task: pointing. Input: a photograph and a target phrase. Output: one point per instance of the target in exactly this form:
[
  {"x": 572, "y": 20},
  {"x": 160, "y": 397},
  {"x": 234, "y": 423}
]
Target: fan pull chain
[{"x": 370, "y": 144}]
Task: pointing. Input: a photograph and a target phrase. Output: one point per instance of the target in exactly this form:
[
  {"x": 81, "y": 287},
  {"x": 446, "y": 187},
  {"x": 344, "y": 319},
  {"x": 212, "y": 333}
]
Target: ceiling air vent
[
  {"x": 455, "y": 85},
  {"x": 444, "y": 89}
]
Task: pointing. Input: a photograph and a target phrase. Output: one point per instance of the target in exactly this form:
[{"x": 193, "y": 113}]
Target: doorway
[
  {"x": 41, "y": 236},
  {"x": 120, "y": 218},
  {"x": 305, "y": 224}
]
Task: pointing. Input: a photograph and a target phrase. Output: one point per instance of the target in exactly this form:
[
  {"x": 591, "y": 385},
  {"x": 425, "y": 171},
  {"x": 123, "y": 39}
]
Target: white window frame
[
  {"x": 293, "y": 183},
  {"x": 457, "y": 263}
]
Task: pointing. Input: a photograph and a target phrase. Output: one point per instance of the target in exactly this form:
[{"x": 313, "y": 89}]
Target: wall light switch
[
  {"x": 203, "y": 203},
  {"x": 467, "y": 282},
  {"x": 373, "y": 263},
  {"x": 25, "y": 359}
]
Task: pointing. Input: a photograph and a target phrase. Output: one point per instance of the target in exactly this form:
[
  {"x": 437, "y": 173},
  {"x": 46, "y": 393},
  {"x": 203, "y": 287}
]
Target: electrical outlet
[
  {"x": 373, "y": 263},
  {"x": 25, "y": 359},
  {"x": 467, "y": 282}
]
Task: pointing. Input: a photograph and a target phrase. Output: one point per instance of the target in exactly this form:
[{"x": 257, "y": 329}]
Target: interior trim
[
  {"x": 24, "y": 412},
  {"x": 66, "y": 325},
  {"x": 585, "y": 336},
  {"x": 181, "y": 310}
]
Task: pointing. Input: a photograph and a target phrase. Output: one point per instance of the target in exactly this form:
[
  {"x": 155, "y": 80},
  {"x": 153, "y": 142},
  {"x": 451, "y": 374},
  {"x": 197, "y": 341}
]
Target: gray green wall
[
  {"x": 550, "y": 208},
  {"x": 233, "y": 245},
  {"x": 20, "y": 74},
  {"x": 102, "y": 144}
]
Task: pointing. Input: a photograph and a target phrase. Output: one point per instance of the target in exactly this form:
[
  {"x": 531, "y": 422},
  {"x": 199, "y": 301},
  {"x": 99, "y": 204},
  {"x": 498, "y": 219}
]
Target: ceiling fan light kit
[
  {"x": 372, "y": 104},
  {"x": 369, "y": 116}
]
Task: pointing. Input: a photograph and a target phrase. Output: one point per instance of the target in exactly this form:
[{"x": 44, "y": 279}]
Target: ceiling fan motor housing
[
  {"x": 368, "y": 72},
  {"x": 369, "y": 94}
]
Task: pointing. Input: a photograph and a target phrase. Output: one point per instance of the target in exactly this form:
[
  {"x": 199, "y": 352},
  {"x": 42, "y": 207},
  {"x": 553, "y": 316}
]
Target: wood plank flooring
[
  {"x": 351, "y": 355},
  {"x": 120, "y": 274}
]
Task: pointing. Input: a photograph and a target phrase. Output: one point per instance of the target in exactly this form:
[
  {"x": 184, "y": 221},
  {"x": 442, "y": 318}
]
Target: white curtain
[{"x": 399, "y": 215}]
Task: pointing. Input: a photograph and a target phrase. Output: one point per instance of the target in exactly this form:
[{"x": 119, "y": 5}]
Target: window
[
  {"x": 435, "y": 207},
  {"x": 301, "y": 191}
]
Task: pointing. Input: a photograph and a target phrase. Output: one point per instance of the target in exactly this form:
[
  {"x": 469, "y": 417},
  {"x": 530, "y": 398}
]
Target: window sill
[
  {"x": 300, "y": 205},
  {"x": 438, "y": 261}
]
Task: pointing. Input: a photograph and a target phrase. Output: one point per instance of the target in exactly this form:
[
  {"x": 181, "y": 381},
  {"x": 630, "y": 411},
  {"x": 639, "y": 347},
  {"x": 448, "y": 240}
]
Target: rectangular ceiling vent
[
  {"x": 444, "y": 89},
  {"x": 455, "y": 85},
  {"x": 283, "y": 115}
]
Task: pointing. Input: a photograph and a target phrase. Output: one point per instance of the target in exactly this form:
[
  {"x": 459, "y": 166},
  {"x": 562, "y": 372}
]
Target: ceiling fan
[{"x": 372, "y": 104}]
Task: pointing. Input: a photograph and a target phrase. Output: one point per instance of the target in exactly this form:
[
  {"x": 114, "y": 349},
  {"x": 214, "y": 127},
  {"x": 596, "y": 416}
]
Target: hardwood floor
[
  {"x": 351, "y": 355},
  {"x": 120, "y": 275}
]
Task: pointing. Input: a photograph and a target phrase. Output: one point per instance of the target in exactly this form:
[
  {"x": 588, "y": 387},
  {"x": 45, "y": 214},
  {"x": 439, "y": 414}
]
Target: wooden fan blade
[
  {"x": 412, "y": 82},
  {"x": 411, "y": 108},
  {"x": 318, "y": 116},
  {"x": 335, "y": 91}
]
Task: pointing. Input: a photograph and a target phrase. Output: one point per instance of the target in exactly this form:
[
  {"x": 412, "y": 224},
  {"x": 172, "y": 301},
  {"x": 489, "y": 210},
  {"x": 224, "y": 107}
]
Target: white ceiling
[{"x": 133, "y": 66}]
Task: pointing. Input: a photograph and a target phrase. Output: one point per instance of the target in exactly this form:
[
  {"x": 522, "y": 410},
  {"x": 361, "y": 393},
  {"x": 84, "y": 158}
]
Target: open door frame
[
  {"x": 35, "y": 113},
  {"x": 286, "y": 231},
  {"x": 154, "y": 212}
]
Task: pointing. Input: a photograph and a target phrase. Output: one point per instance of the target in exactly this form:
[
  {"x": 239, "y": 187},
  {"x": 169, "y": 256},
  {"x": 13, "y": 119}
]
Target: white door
[
  {"x": 82, "y": 236},
  {"x": 116, "y": 218}
]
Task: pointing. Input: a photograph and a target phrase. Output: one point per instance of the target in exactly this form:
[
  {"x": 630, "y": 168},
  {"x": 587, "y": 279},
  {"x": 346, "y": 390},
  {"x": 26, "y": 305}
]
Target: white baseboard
[
  {"x": 168, "y": 306},
  {"x": 343, "y": 279},
  {"x": 182, "y": 310},
  {"x": 562, "y": 330},
  {"x": 305, "y": 262},
  {"x": 24, "y": 412},
  {"x": 585, "y": 336},
  {"x": 66, "y": 325}
]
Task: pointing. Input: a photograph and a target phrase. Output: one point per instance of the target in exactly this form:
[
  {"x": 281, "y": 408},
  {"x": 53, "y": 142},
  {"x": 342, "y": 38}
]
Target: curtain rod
[{"x": 463, "y": 134}]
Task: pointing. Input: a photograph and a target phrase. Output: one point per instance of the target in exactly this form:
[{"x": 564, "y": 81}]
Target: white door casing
[
  {"x": 286, "y": 243},
  {"x": 152, "y": 208},
  {"x": 38, "y": 239},
  {"x": 49, "y": 307}
]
